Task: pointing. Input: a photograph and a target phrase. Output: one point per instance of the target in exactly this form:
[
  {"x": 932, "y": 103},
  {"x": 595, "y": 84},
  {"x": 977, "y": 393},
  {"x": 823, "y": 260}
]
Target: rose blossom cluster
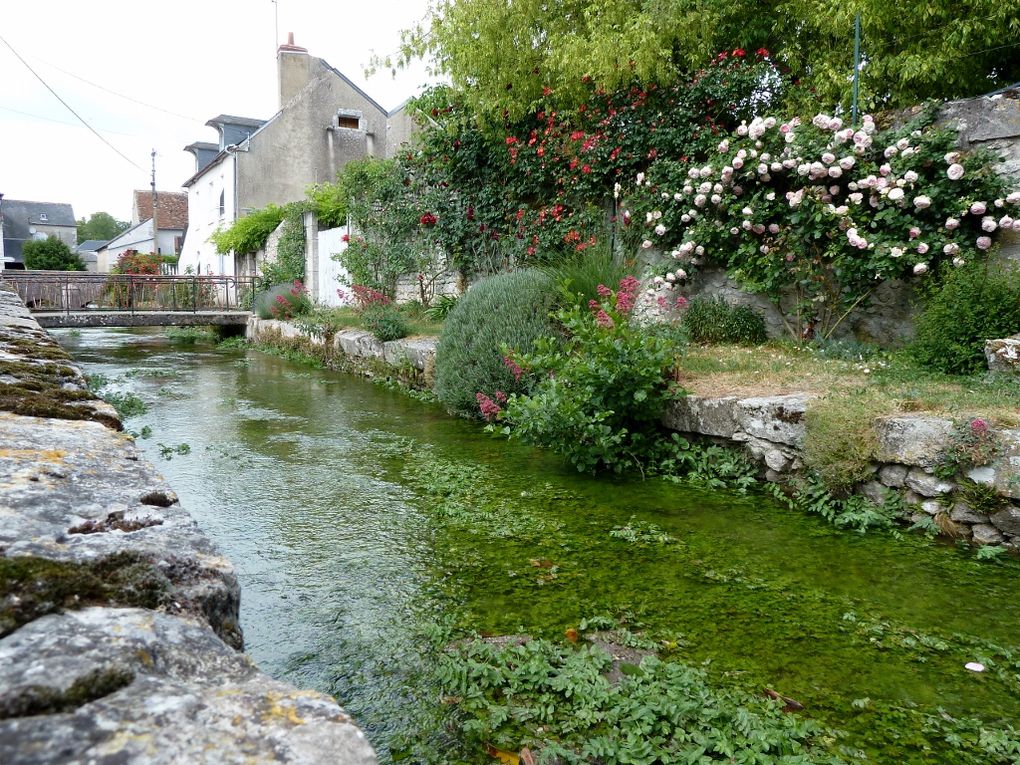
[{"x": 747, "y": 198}]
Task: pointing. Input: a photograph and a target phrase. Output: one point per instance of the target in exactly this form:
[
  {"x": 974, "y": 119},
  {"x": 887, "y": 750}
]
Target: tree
[
  {"x": 512, "y": 58},
  {"x": 101, "y": 226},
  {"x": 51, "y": 255}
]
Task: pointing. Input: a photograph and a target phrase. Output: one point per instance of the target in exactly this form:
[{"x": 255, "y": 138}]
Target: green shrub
[
  {"x": 975, "y": 303},
  {"x": 509, "y": 310},
  {"x": 50, "y": 254},
  {"x": 713, "y": 320},
  {"x": 840, "y": 443},
  {"x": 250, "y": 233},
  {"x": 598, "y": 398},
  {"x": 578, "y": 276},
  {"x": 283, "y": 301},
  {"x": 385, "y": 322}
]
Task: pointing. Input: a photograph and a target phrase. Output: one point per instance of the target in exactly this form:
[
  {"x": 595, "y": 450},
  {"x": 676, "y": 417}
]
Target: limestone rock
[
  {"x": 875, "y": 492},
  {"x": 932, "y": 507},
  {"x": 1006, "y": 467},
  {"x": 894, "y": 476},
  {"x": 358, "y": 343},
  {"x": 986, "y": 535},
  {"x": 707, "y": 416},
  {"x": 963, "y": 513},
  {"x": 917, "y": 441},
  {"x": 417, "y": 351},
  {"x": 150, "y": 688},
  {"x": 779, "y": 419},
  {"x": 927, "y": 485},
  {"x": 1008, "y": 521},
  {"x": 1003, "y": 355}
]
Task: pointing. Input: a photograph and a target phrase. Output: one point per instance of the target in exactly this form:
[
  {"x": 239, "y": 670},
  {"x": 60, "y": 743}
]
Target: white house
[{"x": 172, "y": 219}]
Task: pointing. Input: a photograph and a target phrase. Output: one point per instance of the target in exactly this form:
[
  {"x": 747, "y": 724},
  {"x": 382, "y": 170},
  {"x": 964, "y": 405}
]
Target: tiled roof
[
  {"x": 172, "y": 208},
  {"x": 91, "y": 245}
]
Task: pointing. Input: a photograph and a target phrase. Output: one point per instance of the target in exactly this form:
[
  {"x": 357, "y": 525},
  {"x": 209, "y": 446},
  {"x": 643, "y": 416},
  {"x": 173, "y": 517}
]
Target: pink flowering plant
[
  {"x": 971, "y": 444},
  {"x": 821, "y": 212},
  {"x": 294, "y": 302},
  {"x": 598, "y": 396}
]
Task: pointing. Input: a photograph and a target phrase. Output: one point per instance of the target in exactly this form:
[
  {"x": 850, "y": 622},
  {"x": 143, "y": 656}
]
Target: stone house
[
  {"x": 171, "y": 222},
  {"x": 22, "y": 221},
  {"x": 324, "y": 121}
]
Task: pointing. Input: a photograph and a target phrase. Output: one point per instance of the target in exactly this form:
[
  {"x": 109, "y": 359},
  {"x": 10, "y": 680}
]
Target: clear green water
[{"x": 315, "y": 485}]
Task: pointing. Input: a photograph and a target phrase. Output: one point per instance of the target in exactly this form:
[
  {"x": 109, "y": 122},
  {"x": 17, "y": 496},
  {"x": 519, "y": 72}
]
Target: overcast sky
[{"x": 193, "y": 59}]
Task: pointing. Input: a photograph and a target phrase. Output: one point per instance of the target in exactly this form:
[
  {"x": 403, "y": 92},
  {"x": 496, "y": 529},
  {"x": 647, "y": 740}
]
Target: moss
[
  {"x": 32, "y": 587},
  {"x": 39, "y": 391},
  {"x": 42, "y": 700},
  {"x": 36, "y": 348}
]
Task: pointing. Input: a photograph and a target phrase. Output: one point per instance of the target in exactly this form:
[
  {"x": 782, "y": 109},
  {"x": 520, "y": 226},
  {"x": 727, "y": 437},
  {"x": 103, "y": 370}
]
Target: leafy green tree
[
  {"x": 101, "y": 226},
  {"x": 51, "y": 254},
  {"x": 512, "y": 59}
]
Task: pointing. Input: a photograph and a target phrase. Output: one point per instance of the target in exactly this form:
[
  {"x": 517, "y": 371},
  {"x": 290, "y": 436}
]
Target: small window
[
  {"x": 222, "y": 203},
  {"x": 42, "y": 217},
  {"x": 351, "y": 123}
]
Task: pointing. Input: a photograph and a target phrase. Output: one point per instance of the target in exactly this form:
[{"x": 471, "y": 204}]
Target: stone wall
[
  {"x": 119, "y": 632},
  {"x": 770, "y": 430}
]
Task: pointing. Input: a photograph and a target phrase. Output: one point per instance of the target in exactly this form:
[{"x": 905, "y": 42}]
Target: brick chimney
[{"x": 294, "y": 66}]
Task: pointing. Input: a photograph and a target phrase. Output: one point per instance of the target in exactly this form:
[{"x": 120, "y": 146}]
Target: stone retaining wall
[
  {"x": 770, "y": 430},
  {"x": 119, "y": 632}
]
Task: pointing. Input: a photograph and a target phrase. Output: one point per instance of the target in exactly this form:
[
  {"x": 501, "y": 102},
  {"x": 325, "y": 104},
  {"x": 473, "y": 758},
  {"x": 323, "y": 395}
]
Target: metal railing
[{"x": 75, "y": 291}]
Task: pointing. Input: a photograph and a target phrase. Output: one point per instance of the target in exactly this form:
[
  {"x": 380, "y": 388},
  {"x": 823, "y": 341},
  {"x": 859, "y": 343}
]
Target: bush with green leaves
[
  {"x": 386, "y": 322},
  {"x": 598, "y": 397},
  {"x": 974, "y": 304},
  {"x": 50, "y": 254},
  {"x": 713, "y": 320},
  {"x": 250, "y": 233},
  {"x": 507, "y": 310}
]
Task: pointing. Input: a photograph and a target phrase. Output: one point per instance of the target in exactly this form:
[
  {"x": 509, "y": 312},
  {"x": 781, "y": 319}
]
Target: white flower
[
  {"x": 670, "y": 277},
  {"x": 955, "y": 172},
  {"x": 758, "y": 228},
  {"x": 705, "y": 187},
  {"x": 984, "y": 242},
  {"x": 890, "y": 151},
  {"x": 922, "y": 248},
  {"x": 640, "y": 178},
  {"x": 764, "y": 249},
  {"x": 951, "y": 249},
  {"x": 835, "y": 171},
  {"x": 699, "y": 250},
  {"x": 896, "y": 252},
  {"x": 771, "y": 196},
  {"x": 920, "y": 268},
  {"x": 902, "y": 144},
  {"x": 681, "y": 274},
  {"x": 660, "y": 229},
  {"x": 717, "y": 188},
  {"x": 908, "y": 152},
  {"x": 649, "y": 217},
  {"x": 988, "y": 224},
  {"x": 776, "y": 167},
  {"x": 828, "y": 158},
  {"x": 699, "y": 201},
  {"x": 914, "y": 232},
  {"x": 770, "y": 122},
  {"x": 692, "y": 174},
  {"x": 763, "y": 169},
  {"x": 952, "y": 157},
  {"x": 706, "y": 171},
  {"x": 910, "y": 176},
  {"x": 952, "y": 224},
  {"x": 716, "y": 199},
  {"x": 959, "y": 262},
  {"x": 922, "y": 201},
  {"x": 724, "y": 146},
  {"x": 742, "y": 129},
  {"x": 856, "y": 197},
  {"x": 737, "y": 163},
  {"x": 821, "y": 121},
  {"x": 616, "y": 191},
  {"x": 734, "y": 231},
  {"x": 678, "y": 197},
  {"x": 657, "y": 214},
  {"x": 847, "y": 162},
  {"x": 747, "y": 212},
  {"x": 1013, "y": 198},
  {"x": 647, "y": 245},
  {"x": 773, "y": 228},
  {"x": 657, "y": 280},
  {"x": 978, "y": 208},
  {"x": 896, "y": 194},
  {"x": 746, "y": 225},
  {"x": 885, "y": 169},
  {"x": 1005, "y": 222},
  {"x": 688, "y": 189}
]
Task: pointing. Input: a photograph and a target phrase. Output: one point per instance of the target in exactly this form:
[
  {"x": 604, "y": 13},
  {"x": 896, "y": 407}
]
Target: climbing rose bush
[{"x": 824, "y": 210}]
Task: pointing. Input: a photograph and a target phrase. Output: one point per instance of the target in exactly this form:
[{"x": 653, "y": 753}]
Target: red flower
[
  {"x": 428, "y": 219},
  {"x": 739, "y": 53},
  {"x": 586, "y": 169},
  {"x": 763, "y": 52},
  {"x": 510, "y": 140},
  {"x": 345, "y": 238},
  {"x": 546, "y": 91}
]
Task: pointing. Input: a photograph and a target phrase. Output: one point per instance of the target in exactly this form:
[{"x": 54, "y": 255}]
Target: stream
[{"x": 317, "y": 486}]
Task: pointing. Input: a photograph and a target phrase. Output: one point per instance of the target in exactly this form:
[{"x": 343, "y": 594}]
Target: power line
[
  {"x": 122, "y": 95},
  {"x": 69, "y": 108},
  {"x": 61, "y": 122}
]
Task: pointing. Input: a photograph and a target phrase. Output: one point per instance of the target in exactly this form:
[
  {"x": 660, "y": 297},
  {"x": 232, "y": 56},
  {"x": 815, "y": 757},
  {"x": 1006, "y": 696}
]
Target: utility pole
[
  {"x": 276, "y": 24},
  {"x": 155, "y": 197}
]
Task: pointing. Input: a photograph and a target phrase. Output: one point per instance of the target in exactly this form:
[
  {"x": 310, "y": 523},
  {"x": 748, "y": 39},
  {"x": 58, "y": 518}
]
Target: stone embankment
[
  {"x": 119, "y": 636},
  {"x": 770, "y": 430}
]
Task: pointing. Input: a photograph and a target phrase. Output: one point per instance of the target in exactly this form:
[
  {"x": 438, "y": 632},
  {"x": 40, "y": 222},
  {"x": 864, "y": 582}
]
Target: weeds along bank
[{"x": 607, "y": 394}]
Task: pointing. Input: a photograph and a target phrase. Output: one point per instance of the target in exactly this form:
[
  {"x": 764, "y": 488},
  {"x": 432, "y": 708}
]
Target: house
[
  {"x": 22, "y": 221},
  {"x": 88, "y": 252},
  {"x": 171, "y": 223},
  {"x": 324, "y": 121}
]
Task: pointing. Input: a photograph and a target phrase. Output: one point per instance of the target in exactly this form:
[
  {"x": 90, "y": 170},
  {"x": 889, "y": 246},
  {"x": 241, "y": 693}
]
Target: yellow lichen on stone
[
  {"x": 278, "y": 711},
  {"x": 33, "y": 455}
]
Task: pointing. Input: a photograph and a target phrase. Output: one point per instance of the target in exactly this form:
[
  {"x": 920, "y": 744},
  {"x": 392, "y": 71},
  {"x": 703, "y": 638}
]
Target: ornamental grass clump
[
  {"x": 598, "y": 396},
  {"x": 506, "y": 310},
  {"x": 824, "y": 212}
]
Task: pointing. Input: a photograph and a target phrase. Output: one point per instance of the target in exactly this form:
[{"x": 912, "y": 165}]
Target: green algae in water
[{"x": 360, "y": 518}]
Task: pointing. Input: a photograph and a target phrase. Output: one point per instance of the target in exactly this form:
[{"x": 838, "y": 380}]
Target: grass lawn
[{"x": 889, "y": 380}]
